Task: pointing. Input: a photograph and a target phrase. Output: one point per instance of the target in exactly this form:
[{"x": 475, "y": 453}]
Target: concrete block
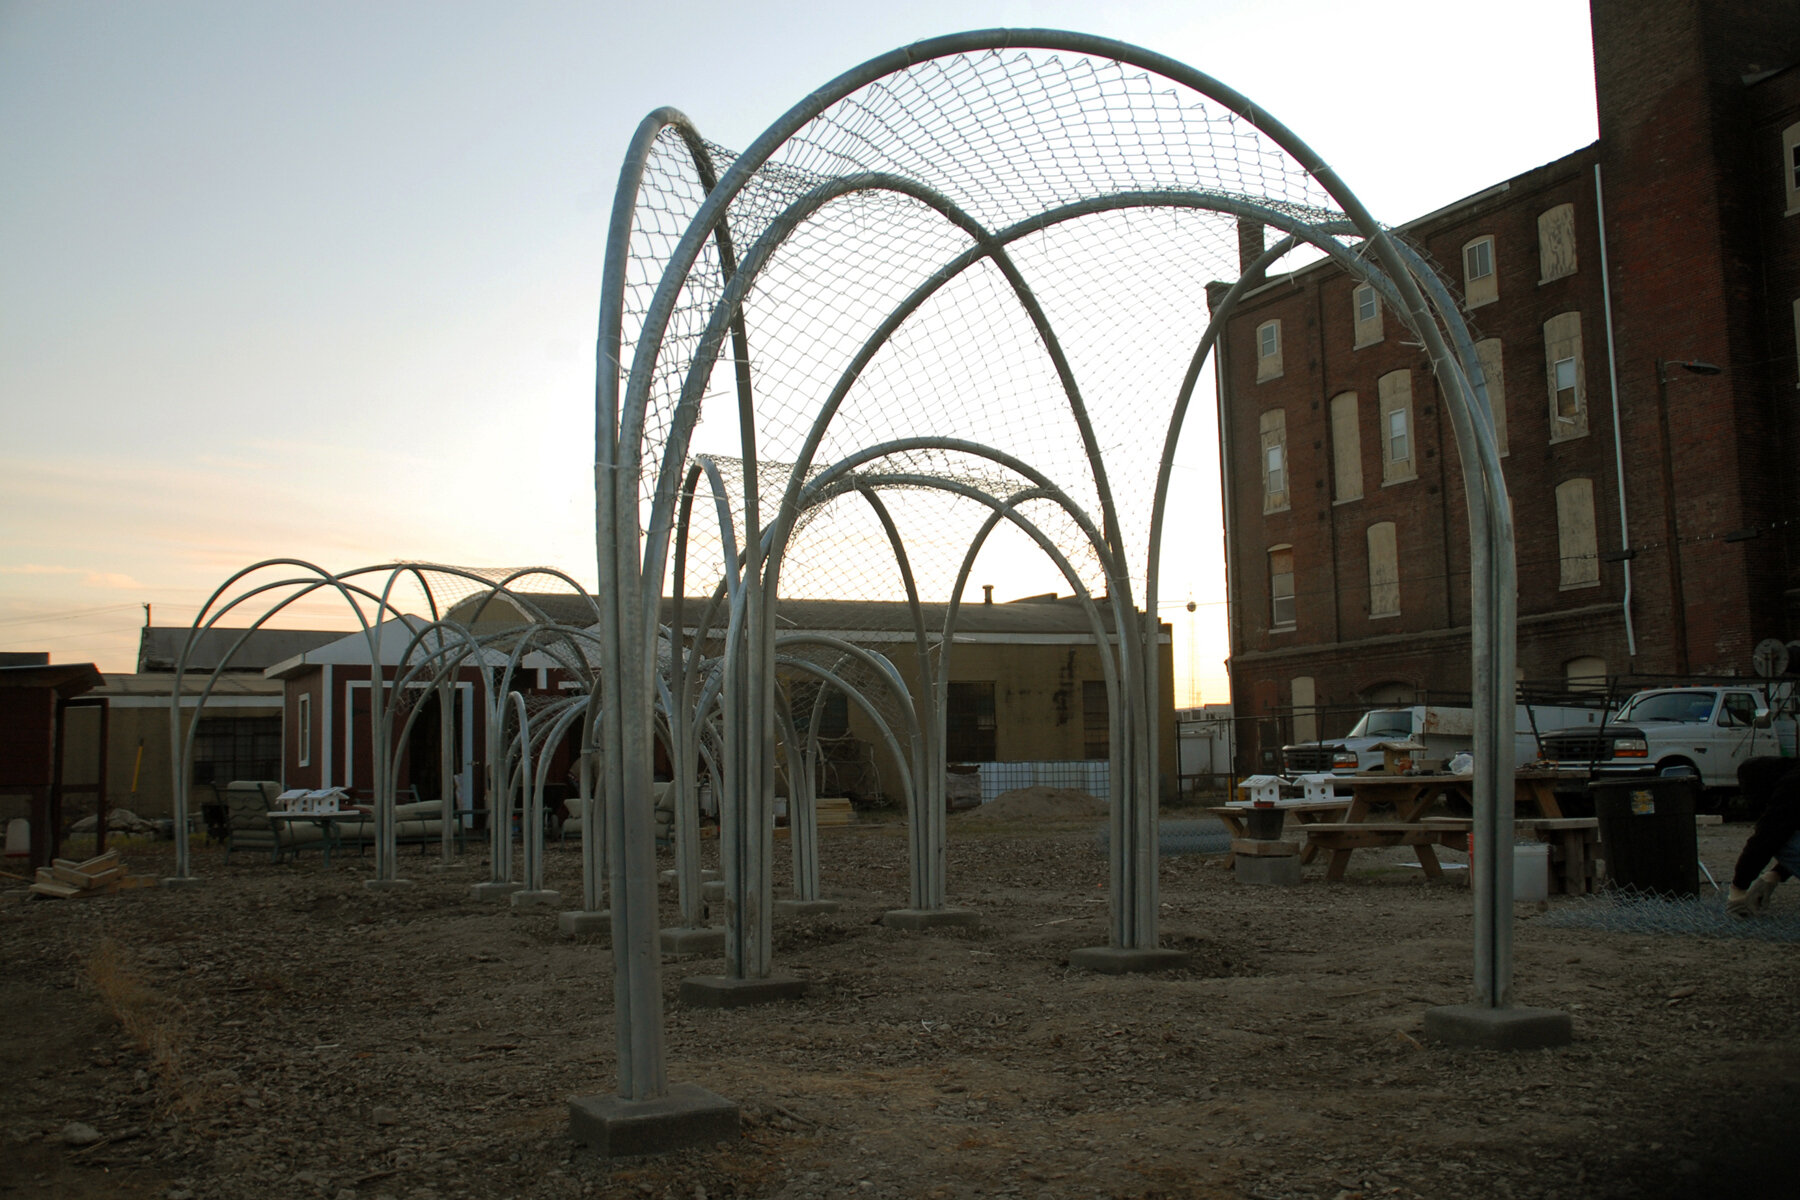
[
  {"x": 805, "y": 908},
  {"x": 712, "y": 891},
  {"x": 181, "y": 881},
  {"x": 1269, "y": 872},
  {"x": 1119, "y": 960},
  {"x": 577, "y": 923},
  {"x": 684, "y": 1115},
  {"x": 1484, "y": 1028},
  {"x": 929, "y": 918},
  {"x": 493, "y": 891},
  {"x": 723, "y": 991},
  {"x": 689, "y": 941},
  {"x": 387, "y": 885},
  {"x": 544, "y": 899}
]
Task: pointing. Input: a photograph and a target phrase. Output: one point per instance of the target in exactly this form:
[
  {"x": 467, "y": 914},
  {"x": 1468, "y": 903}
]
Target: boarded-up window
[
  {"x": 1384, "y": 571},
  {"x": 1368, "y": 315},
  {"x": 1306, "y": 718},
  {"x": 1586, "y": 673},
  {"x": 1268, "y": 350},
  {"x": 1281, "y": 587},
  {"x": 1577, "y": 544},
  {"x": 1346, "y": 449},
  {"x": 1096, "y": 725},
  {"x": 969, "y": 722},
  {"x": 1566, "y": 372},
  {"x": 1481, "y": 284},
  {"x": 1397, "y": 452},
  {"x": 1556, "y": 243},
  {"x": 1487, "y": 352},
  {"x": 1274, "y": 460}
]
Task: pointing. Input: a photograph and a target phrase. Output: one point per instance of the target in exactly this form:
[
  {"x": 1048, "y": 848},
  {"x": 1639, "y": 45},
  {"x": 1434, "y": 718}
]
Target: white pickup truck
[
  {"x": 1442, "y": 731},
  {"x": 1708, "y": 730}
]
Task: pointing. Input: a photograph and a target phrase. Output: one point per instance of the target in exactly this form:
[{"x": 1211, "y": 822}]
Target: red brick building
[{"x": 1636, "y": 306}]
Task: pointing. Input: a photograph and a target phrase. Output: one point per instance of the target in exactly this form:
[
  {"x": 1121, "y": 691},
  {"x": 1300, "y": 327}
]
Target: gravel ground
[{"x": 281, "y": 1031}]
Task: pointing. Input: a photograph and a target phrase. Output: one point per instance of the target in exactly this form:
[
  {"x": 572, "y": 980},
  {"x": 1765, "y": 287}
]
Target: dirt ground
[{"x": 280, "y": 1031}]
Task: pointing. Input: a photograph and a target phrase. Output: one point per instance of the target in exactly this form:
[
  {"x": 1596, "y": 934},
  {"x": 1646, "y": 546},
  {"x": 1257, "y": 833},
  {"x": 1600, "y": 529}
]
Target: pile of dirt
[{"x": 1040, "y": 804}]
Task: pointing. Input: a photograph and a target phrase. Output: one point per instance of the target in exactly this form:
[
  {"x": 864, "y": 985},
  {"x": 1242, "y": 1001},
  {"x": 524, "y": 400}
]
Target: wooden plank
[
  {"x": 61, "y": 891},
  {"x": 1261, "y": 848}
]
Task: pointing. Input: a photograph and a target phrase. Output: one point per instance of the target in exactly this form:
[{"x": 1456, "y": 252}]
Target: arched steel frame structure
[{"x": 632, "y": 554}]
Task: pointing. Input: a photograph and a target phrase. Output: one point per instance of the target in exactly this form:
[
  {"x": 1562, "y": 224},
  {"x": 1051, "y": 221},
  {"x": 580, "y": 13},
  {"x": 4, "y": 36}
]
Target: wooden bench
[
  {"x": 1305, "y": 813},
  {"x": 1574, "y": 847}
]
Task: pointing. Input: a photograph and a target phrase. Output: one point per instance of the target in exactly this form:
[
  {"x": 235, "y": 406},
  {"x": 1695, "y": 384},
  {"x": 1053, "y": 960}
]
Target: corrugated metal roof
[{"x": 160, "y": 646}]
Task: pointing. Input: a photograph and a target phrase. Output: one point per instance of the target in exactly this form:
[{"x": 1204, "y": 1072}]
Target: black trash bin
[{"x": 1647, "y": 833}]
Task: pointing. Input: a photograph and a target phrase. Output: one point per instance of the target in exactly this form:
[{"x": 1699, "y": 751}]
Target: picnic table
[
  {"x": 1303, "y": 812},
  {"x": 1395, "y": 810}
]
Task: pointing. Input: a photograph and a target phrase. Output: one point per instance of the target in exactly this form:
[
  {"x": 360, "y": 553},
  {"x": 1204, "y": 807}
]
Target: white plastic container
[{"x": 1531, "y": 872}]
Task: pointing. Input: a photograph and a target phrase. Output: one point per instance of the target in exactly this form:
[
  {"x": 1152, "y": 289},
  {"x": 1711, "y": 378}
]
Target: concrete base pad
[
  {"x": 722, "y": 991},
  {"x": 387, "y": 885},
  {"x": 929, "y": 918},
  {"x": 493, "y": 891},
  {"x": 805, "y": 908},
  {"x": 544, "y": 899},
  {"x": 1119, "y": 960},
  {"x": 181, "y": 881},
  {"x": 1498, "y": 1028},
  {"x": 707, "y": 940},
  {"x": 712, "y": 890},
  {"x": 1267, "y": 872},
  {"x": 584, "y": 924},
  {"x": 684, "y": 1115}
]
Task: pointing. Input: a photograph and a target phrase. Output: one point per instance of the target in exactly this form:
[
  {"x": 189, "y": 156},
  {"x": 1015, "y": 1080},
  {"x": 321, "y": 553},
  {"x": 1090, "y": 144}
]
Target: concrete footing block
[
  {"x": 1484, "y": 1028},
  {"x": 712, "y": 891},
  {"x": 543, "y": 899},
  {"x": 492, "y": 890},
  {"x": 693, "y": 940},
  {"x": 181, "y": 881},
  {"x": 805, "y": 908},
  {"x": 387, "y": 885},
  {"x": 584, "y": 924},
  {"x": 684, "y": 1115},
  {"x": 723, "y": 991},
  {"x": 1121, "y": 960},
  {"x": 1267, "y": 872},
  {"x": 929, "y": 918}
]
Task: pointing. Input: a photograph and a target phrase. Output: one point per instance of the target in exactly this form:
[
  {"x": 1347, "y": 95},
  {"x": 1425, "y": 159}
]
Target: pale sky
[{"x": 297, "y": 279}]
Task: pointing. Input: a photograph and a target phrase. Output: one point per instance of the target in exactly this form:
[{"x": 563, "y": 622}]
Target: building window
[
  {"x": 829, "y": 704},
  {"x": 1480, "y": 284},
  {"x": 1586, "y": 674},
  {"x": 1397, "y": 458},
  {"x": 1368, "y": 316},
  {"x": 303, "y": 723},
  {"x": 1797, "y": 343},
  {"x": 1268, "y": 350},
  {"x": 1576, "y": 540},
  {"x": 227, "y": 749},
  {"x": 1281, "y": 587},
  {"x": 1274, "y": 459},
  {"x": 1556, "y": 243},
  {"x": 1566, "y": 373},
  {"x": 1306, "y": 717},
  {"x": 1096, "y": 726},
  {"x": 1790, "y": 167},
  {"x": 1384, "y": 571},
  {"x": 969, "y": 724},
  {"x": 1493, "y": 374},
  {"x": 1346, "y": 449}
]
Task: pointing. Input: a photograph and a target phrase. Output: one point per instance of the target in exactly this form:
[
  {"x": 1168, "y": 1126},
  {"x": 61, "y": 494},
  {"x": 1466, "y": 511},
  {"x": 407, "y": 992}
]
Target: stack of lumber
[
  {"x": 65, "y": 879},
  {"x": 834, "y": 810}
]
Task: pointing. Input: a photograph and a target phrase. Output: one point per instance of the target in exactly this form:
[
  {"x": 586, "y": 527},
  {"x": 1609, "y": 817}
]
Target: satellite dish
[{"x": 1770, "y": 658}]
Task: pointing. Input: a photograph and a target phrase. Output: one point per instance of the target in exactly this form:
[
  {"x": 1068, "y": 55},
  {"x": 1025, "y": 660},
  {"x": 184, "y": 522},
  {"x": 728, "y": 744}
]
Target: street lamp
[{"x": 1672, "y": 530}]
